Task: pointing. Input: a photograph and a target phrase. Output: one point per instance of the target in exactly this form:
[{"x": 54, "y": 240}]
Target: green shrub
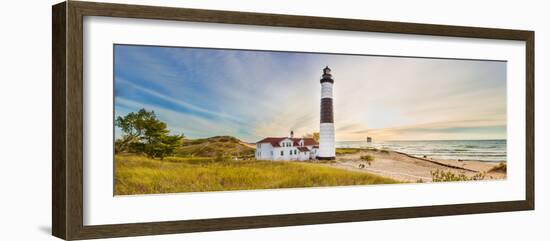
[
  {"x": 501, "y": 167},
  {"x": 220, "y": 158},
  {"x": 443, "y": 176},
  {"x": 368, "y": 158},
  {"x": 478, "y": 176}
]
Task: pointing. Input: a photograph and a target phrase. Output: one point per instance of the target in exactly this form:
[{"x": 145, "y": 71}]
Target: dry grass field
[{"x": 135, "y": 174}]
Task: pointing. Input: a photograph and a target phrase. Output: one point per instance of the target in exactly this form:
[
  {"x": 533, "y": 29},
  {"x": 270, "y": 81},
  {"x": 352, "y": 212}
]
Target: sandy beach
[{"x": 406, "y": 168}]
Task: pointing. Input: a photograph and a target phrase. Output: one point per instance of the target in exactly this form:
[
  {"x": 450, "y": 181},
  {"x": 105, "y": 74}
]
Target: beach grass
[
  {"x": 368, "y": 158},
  {"x": 345, "y": 151},
  {"x": 135, "y": 174},
  {"x": 214, "y": 146},
  {"x": 501, "y": 167},
  {"x": 447, "y": 176}
]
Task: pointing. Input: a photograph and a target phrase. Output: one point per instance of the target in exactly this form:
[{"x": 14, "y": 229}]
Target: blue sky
[{"x": 255, "y": 94}]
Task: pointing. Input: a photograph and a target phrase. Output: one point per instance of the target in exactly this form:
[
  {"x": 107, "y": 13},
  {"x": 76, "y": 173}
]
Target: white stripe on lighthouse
[
  {"x": 326, "y": 90},
  {"x": 326, "y": 140}
]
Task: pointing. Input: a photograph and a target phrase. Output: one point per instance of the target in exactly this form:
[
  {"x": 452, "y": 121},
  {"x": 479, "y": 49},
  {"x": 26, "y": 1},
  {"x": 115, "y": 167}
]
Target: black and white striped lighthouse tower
[{"x": 326, "y": 133}]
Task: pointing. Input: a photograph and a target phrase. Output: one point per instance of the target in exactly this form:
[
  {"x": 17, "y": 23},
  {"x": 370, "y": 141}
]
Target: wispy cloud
[
  {"x": 179, "y": 122},
  {"x": 181, "y": 103}
]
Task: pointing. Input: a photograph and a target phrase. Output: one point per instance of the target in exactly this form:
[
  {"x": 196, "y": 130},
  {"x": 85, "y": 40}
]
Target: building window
[
  {"x": 295, "y": 152},
  {"x": 290, "y": 152},
  {"x": 271, "y": 153},
  {"x": 282, "y": 153}
]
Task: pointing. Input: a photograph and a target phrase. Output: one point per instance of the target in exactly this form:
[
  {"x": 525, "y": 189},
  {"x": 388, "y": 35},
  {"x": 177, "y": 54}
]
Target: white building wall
[
  {"x": 303, "y": 156},
  {"x": 277, "y": 153},
  {"x": 286, "y": 155},
  {"x": 313, "y": 153},
  {"x": 264, "y": 151}
]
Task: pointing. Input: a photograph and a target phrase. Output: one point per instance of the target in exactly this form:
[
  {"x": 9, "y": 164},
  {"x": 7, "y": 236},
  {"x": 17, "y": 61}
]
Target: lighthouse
[{"x": 326, "y": 132}]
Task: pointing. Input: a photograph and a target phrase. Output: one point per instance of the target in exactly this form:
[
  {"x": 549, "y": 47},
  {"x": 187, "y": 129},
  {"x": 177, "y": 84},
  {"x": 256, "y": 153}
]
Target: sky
[{"x": 251, "y": 94}]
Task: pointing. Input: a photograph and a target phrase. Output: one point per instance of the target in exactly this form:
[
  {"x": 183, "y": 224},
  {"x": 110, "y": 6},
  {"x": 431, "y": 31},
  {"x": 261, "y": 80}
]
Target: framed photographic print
[{"x": 171, "y": 120}]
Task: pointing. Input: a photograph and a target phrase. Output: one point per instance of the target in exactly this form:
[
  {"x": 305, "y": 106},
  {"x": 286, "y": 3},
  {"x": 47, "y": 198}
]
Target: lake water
[{"x": 483, "y": 150}]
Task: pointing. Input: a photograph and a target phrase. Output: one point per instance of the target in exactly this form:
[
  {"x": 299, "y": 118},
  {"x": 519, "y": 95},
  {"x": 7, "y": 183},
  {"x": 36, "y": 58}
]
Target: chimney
[{"x": 291, "y": 134}]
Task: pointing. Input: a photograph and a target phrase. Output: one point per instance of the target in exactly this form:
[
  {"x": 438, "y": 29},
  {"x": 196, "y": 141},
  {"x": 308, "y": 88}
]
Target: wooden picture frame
[{"x": 67, "y": 123}]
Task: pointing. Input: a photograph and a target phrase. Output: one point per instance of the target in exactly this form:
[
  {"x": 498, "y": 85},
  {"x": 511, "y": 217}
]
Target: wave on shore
[{"x": 480, "y": 150}]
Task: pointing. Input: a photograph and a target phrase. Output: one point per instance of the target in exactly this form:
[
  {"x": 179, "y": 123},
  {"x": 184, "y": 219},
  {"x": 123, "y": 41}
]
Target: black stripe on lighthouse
[{"x": 327, "y": 115}]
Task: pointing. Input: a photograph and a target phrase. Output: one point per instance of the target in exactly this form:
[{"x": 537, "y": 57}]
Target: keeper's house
[{"x": 287, "y": 148}]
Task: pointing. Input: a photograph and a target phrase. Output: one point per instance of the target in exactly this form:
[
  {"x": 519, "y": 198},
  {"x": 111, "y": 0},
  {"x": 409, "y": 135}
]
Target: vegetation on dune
[
  {"x": 447, "y": 176},
  {"x": 136, "y": 174},
  {"x": 215, "y": 146},
  {"x": 368, "y": 158},
  {"x": 349, "y": 150},
  {"x": 344, "y": 151},
  {"x": 501, "y": 167}
]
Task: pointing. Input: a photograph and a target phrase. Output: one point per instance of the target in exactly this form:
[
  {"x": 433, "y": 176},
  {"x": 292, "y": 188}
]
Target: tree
[
  {"x": 145, "y": 133},
  {"x": 314, "y": 135},
  {"x": 133, "y": 126}
]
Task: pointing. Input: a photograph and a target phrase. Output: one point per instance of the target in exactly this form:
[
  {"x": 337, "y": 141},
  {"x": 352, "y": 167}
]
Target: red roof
[
  {"x": 274, "y": 141},
  {"x": 303, "y": 149},
  {"x": 307, "y": 141}
]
